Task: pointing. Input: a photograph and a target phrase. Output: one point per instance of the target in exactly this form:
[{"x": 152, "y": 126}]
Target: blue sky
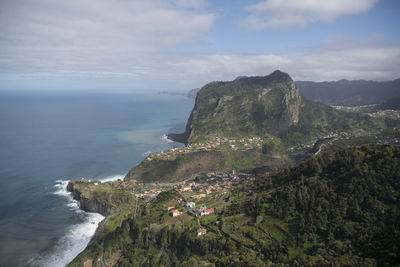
[{"x": 157, "y": 45}]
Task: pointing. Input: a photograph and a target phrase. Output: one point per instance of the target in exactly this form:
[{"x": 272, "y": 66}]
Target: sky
[{"x": 154, "y": 45}]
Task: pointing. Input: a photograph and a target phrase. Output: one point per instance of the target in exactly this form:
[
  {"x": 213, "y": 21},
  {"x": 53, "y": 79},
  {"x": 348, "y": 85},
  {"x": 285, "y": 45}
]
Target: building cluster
[
  {"x": 219, "y": 144},
  {"x": 197, "y": 212},
  {"x": 387, "y": 140},
  {"x": 148, "y": 194},
  {"x": 212, "y": 182}
]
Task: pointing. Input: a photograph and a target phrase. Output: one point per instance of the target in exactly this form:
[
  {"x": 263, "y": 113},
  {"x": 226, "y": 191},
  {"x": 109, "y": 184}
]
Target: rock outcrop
[
  {"x": 243, "y": 107},
  {"x": 103, "y": 199}
]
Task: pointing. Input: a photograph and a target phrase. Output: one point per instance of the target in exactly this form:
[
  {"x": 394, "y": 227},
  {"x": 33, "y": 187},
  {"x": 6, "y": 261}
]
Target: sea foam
[
  {"x": 77, "y": 236},
  {"x": 165, "y": 138},
  {"x": 112, "y": 178}
]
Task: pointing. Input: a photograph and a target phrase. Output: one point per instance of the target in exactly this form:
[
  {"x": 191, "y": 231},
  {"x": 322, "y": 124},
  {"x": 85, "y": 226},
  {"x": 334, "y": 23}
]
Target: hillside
[
  {"x": 350, "y": 93},
  {"x": 250, "y": 123},
  {"x": 340, "y": 208},
  {"x": 263, "y": 106},
  {"x": 189, "y": 165}
]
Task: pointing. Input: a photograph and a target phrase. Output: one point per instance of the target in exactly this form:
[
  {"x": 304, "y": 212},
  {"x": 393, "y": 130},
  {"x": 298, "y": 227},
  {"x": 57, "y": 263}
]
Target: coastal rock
[{"x": 104, "y": 199}]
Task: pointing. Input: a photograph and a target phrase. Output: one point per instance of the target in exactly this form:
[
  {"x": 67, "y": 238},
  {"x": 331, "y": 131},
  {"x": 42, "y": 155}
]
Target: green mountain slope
[
  {"x": 350, "y": 93},
  {"x": 262, "y": 106},
  {"x": 185, "y": 166},
  {"x": 269, "y": 108},
  {"x": 340, "y": 208}
]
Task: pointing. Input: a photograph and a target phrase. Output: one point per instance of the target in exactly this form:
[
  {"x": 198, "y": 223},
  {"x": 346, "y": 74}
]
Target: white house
[{"x": 190, "y": 205}]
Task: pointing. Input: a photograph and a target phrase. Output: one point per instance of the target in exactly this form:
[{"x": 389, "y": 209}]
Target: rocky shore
[{"x": 98, "y": 197}]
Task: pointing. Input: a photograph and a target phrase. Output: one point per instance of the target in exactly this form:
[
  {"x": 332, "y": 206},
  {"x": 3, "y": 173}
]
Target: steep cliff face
[
  {"x": 103, "y": 199},
  {"x": 243, "y": 107}
]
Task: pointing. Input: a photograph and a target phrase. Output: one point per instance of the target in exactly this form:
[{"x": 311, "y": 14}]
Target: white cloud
[
  {"x": 368, "y": 62},
  {"x": 286, "y": 13},
  {"x": 179, "y": 71},
  {"x": 95, "y": 35},
  {"x": 132, "y": 45},
  {"x": 194, "y": 4}
]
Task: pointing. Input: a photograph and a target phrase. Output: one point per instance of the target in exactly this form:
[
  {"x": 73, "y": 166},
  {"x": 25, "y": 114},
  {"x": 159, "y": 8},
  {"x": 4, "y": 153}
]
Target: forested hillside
[
  {"x": 350, "y": 93},
  {"x": 340, "y": 208}
]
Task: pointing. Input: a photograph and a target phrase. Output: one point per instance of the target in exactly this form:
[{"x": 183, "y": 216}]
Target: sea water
[{"x": 47, "y": 139}]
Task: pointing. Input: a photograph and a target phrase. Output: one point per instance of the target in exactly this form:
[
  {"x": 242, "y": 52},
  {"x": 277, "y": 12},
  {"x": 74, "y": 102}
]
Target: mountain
[
  {"x": 246, "y": 124},
  {"x": 340, "y": 208},
  {"x": 246, "y": 106},
  {"x": 350, "y": 93},
  {"x": 393, "y": 103},
  {"x": 253, "y": 206},
  {"x": 262, "y": 106}
]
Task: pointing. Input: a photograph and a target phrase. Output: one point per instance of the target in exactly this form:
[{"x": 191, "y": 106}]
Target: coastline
[
  {"x": 77, "y": 236},
  {"x": 94, "y": 207}
]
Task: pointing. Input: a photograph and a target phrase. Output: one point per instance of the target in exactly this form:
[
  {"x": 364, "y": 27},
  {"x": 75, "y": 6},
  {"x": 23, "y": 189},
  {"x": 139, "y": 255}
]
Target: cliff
[
  {"x": 243, "y": 107},
  {"x": 264, "y": 106},
  {"x": 268, "y": 107},
  {"x": 100, "y": 198}
]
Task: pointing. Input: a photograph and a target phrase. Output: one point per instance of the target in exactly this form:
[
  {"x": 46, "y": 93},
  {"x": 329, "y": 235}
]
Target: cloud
[
  {"x": 371, "y": 62},
  {"x": 132, "y": 45},
  {"x": 287, "y": 13},
  {"x": 193, "y": 4},
  {"x": 95, "y": 35}
]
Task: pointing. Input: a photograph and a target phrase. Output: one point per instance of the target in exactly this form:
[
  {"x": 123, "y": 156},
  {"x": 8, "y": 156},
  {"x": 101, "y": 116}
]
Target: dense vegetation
[
  {"x": 339, "y": 208},
  {"x": 393, "y": 103},
  {"x": 317, "y": 119}
]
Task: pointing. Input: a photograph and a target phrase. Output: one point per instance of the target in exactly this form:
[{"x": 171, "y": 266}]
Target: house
[
  {"x": 186, "y": 188},
  {"x": 207, "y": 212},
  {"x": 201, "y": 231},
  {"x": 190, "y": 205},
  {"x": 170, "y": 208},
  {"x": 199, "y": 196},
  {"x": 176, "y": 213}
]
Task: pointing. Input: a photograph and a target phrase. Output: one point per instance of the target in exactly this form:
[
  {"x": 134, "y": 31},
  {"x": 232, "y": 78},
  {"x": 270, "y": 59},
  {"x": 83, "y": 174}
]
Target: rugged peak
[
  {"x": 261, "y": 106},
  {"x": 280, "y": 75}
]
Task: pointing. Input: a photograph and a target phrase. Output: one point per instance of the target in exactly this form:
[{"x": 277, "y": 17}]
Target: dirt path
[
  {"x": 103, "y": 264},
  {"x": 180, "y": 193}
]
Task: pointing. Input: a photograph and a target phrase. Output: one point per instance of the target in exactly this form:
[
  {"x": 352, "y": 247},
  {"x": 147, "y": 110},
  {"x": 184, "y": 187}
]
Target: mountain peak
[
  {"x": 279, "y": 75},
  {"x": 250, "y": 106}
]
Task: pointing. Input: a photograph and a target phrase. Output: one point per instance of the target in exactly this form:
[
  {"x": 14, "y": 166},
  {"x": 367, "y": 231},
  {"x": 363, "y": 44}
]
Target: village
[
  {"x": 201, "y": 187},
  {"x": 333, "y": 137},
  {"x": 219, "y": 144},
  {"x": 197, "y": 197}
]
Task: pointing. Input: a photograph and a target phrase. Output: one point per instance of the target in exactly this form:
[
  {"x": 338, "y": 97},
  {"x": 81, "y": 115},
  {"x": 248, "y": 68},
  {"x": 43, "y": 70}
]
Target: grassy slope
[
  {"x": 317, "y": 119},
  {"x": 191, "y": 164}
]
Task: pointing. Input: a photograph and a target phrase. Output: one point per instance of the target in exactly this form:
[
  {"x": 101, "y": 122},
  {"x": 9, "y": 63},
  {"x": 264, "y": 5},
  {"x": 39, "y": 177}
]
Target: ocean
[{"x": 47, "y": 139}]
